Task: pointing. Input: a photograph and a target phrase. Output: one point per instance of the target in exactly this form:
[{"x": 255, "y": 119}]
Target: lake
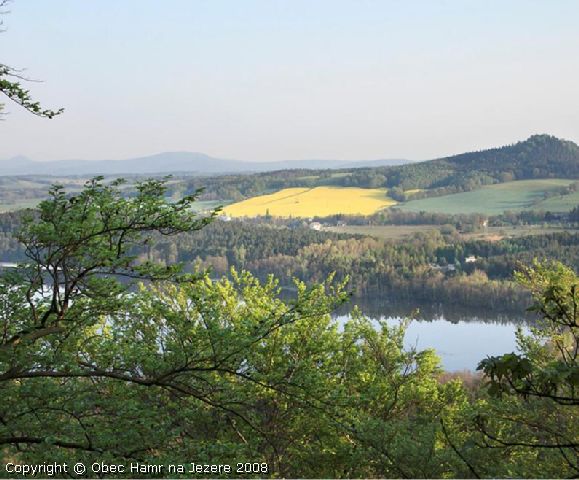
[{"x": 461, "y": 338}]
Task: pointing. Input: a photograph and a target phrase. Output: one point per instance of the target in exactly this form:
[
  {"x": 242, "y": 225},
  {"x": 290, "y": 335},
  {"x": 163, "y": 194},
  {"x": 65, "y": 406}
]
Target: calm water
[{"x": 461, "y": 338}]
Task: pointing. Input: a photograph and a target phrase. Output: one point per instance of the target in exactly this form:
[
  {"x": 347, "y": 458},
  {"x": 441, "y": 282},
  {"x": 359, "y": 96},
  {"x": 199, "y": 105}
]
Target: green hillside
[
  {"x": 495, "y": 199},
  {"x": 560, "y": 203},
  {"x": 540, "y": 156}
]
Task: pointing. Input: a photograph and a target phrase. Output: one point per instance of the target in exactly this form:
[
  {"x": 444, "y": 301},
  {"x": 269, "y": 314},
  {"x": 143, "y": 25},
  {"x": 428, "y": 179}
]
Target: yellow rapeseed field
[{"x": 311, "y": 202}]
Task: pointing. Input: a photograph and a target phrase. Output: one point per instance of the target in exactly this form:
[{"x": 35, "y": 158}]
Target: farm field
[
  {"x": 204, "y": 206},
  {"x": 24, "y": 192},
  {"x": 397, "y": 232},
  {"x": 495, "y": 199},
  {"x": 310, "y": 202},
  {"x": 18, "y": 205},
  {"x": 498, "y": 233},
  {"x": 560, "y": 203},
  {"x": 388, "y": 232},
  {"x": 17, "y": 193}
]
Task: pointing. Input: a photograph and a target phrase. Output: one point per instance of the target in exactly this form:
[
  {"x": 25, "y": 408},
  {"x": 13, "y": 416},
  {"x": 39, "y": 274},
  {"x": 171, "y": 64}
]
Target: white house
[{"x": 316, "y": 226}]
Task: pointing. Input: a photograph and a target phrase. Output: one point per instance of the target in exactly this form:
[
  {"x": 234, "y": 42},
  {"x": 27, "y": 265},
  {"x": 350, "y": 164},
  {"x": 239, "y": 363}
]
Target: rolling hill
[
  {"x": 171, "y": 162},
  {"x": 495, "y": 199},
  {"x": 540, "y": 156},
  {"x": 490, "y": 180}
]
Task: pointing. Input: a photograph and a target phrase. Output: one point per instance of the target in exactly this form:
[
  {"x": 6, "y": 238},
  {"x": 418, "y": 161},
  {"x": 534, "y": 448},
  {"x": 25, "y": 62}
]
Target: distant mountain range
[
  {"x": 171, "y": 162},
  {"x": 540, "y": 156}
]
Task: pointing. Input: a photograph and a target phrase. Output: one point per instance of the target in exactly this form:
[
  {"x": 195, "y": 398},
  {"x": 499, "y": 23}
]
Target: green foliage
[
  {"x": 548, "y": 367},
  {"x": 183, "y": 367},
  {"x": 401, "y": 269},
  {"x": 73, "y": 242},
  {"x": 11, "y": 86},
  {"x": 532, "y": 409},
  {"x": 538, "y": 157}
]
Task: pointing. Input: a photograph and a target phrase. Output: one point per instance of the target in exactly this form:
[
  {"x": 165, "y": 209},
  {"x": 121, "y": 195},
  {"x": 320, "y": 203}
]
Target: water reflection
[
  {"x": 389, "y": 307},
  {"x": 461, "y": 337}
]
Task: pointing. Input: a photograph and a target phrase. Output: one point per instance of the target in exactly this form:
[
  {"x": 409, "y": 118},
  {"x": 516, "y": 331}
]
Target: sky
[{"x": 296, "y": 79}]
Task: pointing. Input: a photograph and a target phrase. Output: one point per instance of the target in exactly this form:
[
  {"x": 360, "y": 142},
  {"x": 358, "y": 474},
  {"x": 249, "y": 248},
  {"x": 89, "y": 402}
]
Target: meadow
[
  {"x": 206, "y": 206},
  {"x": 19, "y": 192},
  {"x": 398, "y": 232},
  {"x": 388, "y": 232},
  {"x": 495, "y": 199},
  {"x": 18, "y": 205},
  {"x": 560, "y": 203},
  {"x": 311, "y": 202}
]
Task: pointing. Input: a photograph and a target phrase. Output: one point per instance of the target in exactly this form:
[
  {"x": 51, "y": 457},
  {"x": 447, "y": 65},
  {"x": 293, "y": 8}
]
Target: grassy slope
[
  {"x": 18, "y": 205},
  {"x": 495, "y": 199},
  {"x": 560, "y": 203},
  {"x": 398, "y": 232},
  {"x": 204, "y": 206},
  {"x": 309, "y": 202},
  {"x": 390, "y": 232}
]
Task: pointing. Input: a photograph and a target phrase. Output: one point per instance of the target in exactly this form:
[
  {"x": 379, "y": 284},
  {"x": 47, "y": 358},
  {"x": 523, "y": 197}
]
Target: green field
[
  {"x": 495, "y": 199},
  {"x": 389, "y": 232},
  {"x": 398, "y": 232},
  {"x": 204, "y": 206},
  {"x": 560, "y": 203},
  {"x": 18, "y": 205},
  {"x": 498, "y": 233},
  {"x": 17, "y": 193}
]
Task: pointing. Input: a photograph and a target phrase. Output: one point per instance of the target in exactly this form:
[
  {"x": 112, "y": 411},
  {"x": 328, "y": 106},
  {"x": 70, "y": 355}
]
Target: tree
[
  {"x": 532, "y": 411},
  {"x": 83, "y": 354},
  {"x": 78, "y": 248},
  {"x": 94, "y": 367},
  {"x": 11, "y": 86},
  {"x": 107, "y": 356}
]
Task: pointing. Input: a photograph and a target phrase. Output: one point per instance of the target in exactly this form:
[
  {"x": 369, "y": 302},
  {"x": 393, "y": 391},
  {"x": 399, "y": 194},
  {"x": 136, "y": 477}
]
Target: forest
[
  {"x": 143, "y": 334},
  {"x": 540, "y": 156},
  {"x": 168, "y": 366},
  {"x": 425, "y": 267}
]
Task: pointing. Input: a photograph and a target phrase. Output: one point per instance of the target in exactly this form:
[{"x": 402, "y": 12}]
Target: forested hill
[
  {"x": 540, "y": 156},
  {"x": 543, "y": 152}
]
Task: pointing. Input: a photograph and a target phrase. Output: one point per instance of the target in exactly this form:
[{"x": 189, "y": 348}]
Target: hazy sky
[{"x": 294, "y": 79}]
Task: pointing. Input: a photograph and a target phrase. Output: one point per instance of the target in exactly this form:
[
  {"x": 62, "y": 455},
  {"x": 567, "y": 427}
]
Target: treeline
[
  {"x": 10, "y": 249},
  {"x": 134, "y": 381},
  {"x": 462, "y": 222},
  {"x": 427, "y": 267},
  {"x": 540, "y": 156},
  {"x": 240, "y": 186}
]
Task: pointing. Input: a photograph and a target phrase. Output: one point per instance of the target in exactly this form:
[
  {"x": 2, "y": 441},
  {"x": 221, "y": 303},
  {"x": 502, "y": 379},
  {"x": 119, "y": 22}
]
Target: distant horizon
[
  {"x": 270, "y": 80},
  {"x": 242, "y": 160},
  {"x": 312, "y": 159}
]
